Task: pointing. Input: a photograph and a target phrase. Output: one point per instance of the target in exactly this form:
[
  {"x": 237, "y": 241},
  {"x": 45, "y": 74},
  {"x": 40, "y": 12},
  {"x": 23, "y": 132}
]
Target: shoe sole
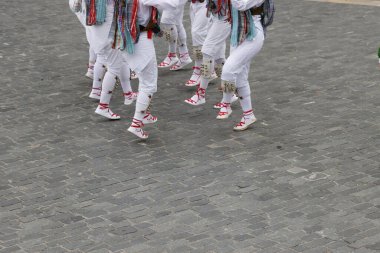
[
  {"x": 224, "y": 117},
  {"x": 94, "y": 97},
  {"x": 242, "y": 129},
  {"x": 150, "y": 122},
  {"x": 182, "y": 66},
  {"x": 129, "y": 102},
  {"x": 191, "y": 85},
  {"x": 105, "y": 116},
  {"x": 194, "y": 104},
  {"x": 169, "y": 66},
  {"x": 89, "y": 76},
  {"x": 130, "y": 129}
]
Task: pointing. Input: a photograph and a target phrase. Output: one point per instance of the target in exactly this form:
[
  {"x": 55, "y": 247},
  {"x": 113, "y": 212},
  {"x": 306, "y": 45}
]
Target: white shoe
[
  {"x": 95, "y": 93},
  {"x": 195, "y": 77},
  {"x": 136, "y": 129},
  {"x": 105, "y": 111},
  {"x": 130, "y": 97},
  {"x": 169, "y": 61},
  {"x": 198, "y": 98},
  {"x": 149, "y": 119},
  {"x": 220, "y": 104},
  {"x": 184, "y": 60},
  {"x": 245, "y": 122},
  {"x": 224, "y": 112},
  {"x": 90, "y": 72}
]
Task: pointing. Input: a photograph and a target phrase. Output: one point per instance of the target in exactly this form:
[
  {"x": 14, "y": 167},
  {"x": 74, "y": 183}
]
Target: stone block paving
[{"x": 305, "y": 178}]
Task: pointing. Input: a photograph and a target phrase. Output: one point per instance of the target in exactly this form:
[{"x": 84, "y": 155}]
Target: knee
[
  {"x": 114, "y": 70},
  {"x": 228, "y": 72}
]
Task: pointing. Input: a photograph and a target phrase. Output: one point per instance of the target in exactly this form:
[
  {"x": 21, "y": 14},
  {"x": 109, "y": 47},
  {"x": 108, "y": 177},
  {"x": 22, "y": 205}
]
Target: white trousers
[
  {"x": 173, "y": 17},
  {"x": 199, "y": 23},
  {"x": 215, "y": 42},
  {"x": 143, "y": 62},
  {"x": 236, "y": 67},
  {"x": 113, "y": 59}
]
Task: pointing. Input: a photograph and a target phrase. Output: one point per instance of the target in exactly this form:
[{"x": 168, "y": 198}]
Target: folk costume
[
  {"x": 199, "y": 26},
  {"x": 136, "y": 21},
  {"x": 214, "y": 47},
  {"x": 175, "y": 34},
  {"x": 247, "y": 39},
  {"x": 79, "y": 8},
  {"x": 99, "y": 19}
]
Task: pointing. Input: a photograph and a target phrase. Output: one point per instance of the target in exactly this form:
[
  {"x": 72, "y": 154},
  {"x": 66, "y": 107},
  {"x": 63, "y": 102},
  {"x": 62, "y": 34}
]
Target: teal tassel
[
  {"x": 129, "y": 43},
  {"x": 252, "y": 29},
  {"x": 235, "y": 27},
  {"x": 101, "y": 11}
]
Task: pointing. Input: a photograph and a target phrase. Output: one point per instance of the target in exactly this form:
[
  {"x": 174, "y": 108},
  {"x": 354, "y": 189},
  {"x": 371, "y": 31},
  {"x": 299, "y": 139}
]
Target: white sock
[
  {"x": 107, "y": 88},
  {"x": 245, "y": 98},
  {"x": 92, "y": 56},
  {"x": 204, "y": 82},
  {"x": 142, "y": 104},
  {"x": 197, "y": 63},
  {"x": 99, "y": 71},
  {"x": 172, "y": 29},
  {"x": 125, "y": 79},
  {"x": 227, "y": 97}
]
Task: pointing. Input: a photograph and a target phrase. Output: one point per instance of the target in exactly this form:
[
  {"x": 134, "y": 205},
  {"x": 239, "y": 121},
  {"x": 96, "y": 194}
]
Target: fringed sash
[
  {"x": 127, "y": 29},
  {"x": 96, "y": 12},
  {"x": 243, "y": 26},
  {"x": 220, "y": 8}
]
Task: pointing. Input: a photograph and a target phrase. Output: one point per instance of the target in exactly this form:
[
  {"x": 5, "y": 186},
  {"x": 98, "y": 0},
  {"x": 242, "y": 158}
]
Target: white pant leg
[
  {"x": 180, "y": 28},
  {"x": 172, "y": 17},
  {"x": 236, "y": 67},
  {"x": 215, "y": 42},
  {"x": 114, "y": 60},
  {"x": 143, "y": 62},
  {"x": 199, "y": 23}
]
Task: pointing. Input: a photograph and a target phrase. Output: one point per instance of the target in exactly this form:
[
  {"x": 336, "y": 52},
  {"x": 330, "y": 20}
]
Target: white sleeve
[
  {"x": 164, "y": 4},
  {"x": 243, "y": 5}
]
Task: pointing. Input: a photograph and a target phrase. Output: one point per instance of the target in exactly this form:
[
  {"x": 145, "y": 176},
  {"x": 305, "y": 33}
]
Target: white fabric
[
  {"x": 142, "y": 104},
  {"x": 143, "y": 62},
  {"x": 144, "y": 10},
  {"x": 113, "y": 58},
  {"x": 215, "y": 42},
  {"x": 199, "y": 23},
  {"x": 99, "y": 34},
  {"x": 236, "y": 67},
  {"x": 243, "y": 5},
  {"x": 91, "y": 55},
  {"x": 172, "y": 17},
  {"x": 99, "y": 71},
  {"x": 124, "y": 78},
  {"x": 108, "y": 86}
]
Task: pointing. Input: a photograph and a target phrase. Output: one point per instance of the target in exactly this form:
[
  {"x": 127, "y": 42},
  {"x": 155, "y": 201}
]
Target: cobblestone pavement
[{"x": 305, "y": 178}]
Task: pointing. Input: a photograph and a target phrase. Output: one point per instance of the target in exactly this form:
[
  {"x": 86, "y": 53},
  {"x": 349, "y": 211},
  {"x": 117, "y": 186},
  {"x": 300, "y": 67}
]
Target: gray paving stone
[{"x": 304, "y": 179}]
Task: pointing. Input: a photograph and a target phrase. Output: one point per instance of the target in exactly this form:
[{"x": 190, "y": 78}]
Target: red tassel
[
  {"x": 154, "y": 21},
  {"x": 133, "y": 20},
  {"x": 219, "y": 6},
  {"x": 92, "y": 16}
]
